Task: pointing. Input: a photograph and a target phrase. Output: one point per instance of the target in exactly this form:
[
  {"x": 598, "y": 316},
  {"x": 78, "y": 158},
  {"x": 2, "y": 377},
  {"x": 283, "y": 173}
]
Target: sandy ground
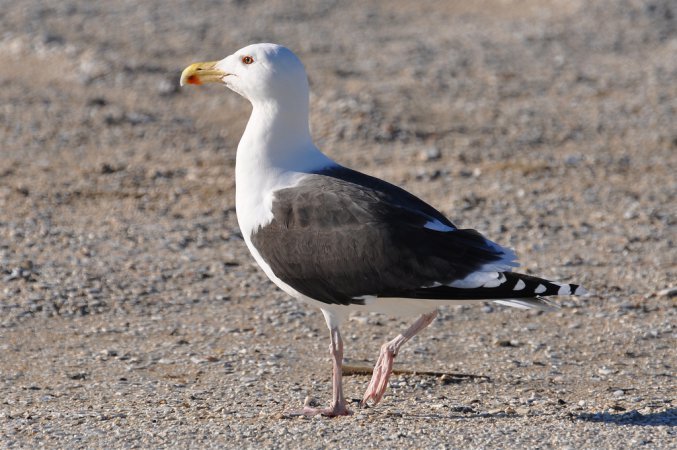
[{"x": 132, "y": 316}]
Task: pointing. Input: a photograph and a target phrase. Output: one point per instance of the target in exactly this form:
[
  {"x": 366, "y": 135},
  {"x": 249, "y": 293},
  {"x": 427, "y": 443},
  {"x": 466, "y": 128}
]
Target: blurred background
[
  {"x": 520, "y": 118},
  {"x": 550, "y": 126}
]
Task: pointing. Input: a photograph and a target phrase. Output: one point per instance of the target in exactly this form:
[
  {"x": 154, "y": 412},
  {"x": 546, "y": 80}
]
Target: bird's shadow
[
  {"x": 634, "y": 418},
  {"x": 631, "y": 418}
]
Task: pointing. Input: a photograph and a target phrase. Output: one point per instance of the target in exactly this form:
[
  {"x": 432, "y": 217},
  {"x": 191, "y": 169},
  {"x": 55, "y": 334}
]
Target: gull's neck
[
  {"x": 278, "y": 137},
  {"x": 275, "y": 152}
]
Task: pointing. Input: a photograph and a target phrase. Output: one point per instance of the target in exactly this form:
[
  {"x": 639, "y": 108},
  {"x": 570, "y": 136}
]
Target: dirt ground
[{"x": 132, "y": 315}]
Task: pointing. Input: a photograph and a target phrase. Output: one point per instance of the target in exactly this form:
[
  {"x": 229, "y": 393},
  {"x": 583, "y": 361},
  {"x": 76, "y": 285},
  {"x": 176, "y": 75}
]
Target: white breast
[
  {"x": 260, "y": 172},
  {"x": 271, "y": 157}
]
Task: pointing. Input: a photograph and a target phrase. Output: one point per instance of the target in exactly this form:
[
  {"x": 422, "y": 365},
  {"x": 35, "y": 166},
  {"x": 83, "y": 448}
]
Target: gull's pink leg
[
  {"x": 384, "y": 364},
  {"x": 338, "y": 405}
]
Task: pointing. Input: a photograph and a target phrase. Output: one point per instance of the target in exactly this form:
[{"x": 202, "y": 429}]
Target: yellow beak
[{"x": 202, "y": 72}]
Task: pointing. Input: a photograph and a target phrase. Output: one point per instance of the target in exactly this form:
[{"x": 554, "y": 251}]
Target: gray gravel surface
[{"x": 131, "y": 314}]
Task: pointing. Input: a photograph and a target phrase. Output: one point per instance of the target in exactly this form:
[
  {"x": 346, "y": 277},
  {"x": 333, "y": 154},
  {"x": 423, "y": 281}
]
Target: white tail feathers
[{"x": 529, "y": 303}]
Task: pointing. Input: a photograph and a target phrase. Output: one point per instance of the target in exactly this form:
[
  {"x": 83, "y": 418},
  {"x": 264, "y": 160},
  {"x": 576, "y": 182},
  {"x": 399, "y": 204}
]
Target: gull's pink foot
[
  {"x": 379, "y": 379},
  {"x": 384, "y": 366},
  {"x": 338, "y": 405}
]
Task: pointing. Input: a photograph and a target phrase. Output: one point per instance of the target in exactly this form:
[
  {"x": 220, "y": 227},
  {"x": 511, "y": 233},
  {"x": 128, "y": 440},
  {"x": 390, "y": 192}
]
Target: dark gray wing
[{"x": 340, "y": 235}]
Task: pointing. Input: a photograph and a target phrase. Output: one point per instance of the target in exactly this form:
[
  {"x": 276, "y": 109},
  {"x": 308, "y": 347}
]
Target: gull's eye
[{"x": 247, "y": 59}]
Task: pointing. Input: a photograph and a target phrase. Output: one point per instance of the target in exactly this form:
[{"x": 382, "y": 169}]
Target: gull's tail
[{"x": 507, "y": 288}]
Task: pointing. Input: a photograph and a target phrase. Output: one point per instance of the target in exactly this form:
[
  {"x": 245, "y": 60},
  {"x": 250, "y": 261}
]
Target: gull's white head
[{"x": 261, "y": 73}]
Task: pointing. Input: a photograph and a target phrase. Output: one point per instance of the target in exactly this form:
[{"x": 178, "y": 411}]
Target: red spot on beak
[{"x": 193, "y": 79}]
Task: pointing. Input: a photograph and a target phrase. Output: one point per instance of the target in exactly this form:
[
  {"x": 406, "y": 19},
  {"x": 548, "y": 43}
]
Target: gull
[{"x": 342, "y": 240}]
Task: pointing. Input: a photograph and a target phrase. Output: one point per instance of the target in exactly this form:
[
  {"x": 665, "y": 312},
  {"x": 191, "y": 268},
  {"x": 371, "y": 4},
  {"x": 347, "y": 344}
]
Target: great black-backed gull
[{"x": 342, "y": 240}]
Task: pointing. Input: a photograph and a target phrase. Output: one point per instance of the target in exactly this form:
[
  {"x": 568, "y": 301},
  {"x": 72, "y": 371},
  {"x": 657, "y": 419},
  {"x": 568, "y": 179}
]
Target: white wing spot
[
  {"x": 499, "y": 280},
  {"x": 580, "y": 290},
  {"x": 564, "y": 289},
  {"x": 540, "y": 289},
  {"x": 519, "y": 286}
]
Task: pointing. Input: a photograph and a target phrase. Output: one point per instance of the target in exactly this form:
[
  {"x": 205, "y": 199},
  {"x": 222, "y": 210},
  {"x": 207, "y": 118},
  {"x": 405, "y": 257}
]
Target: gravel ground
[{"x": 131, "y": 314}]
